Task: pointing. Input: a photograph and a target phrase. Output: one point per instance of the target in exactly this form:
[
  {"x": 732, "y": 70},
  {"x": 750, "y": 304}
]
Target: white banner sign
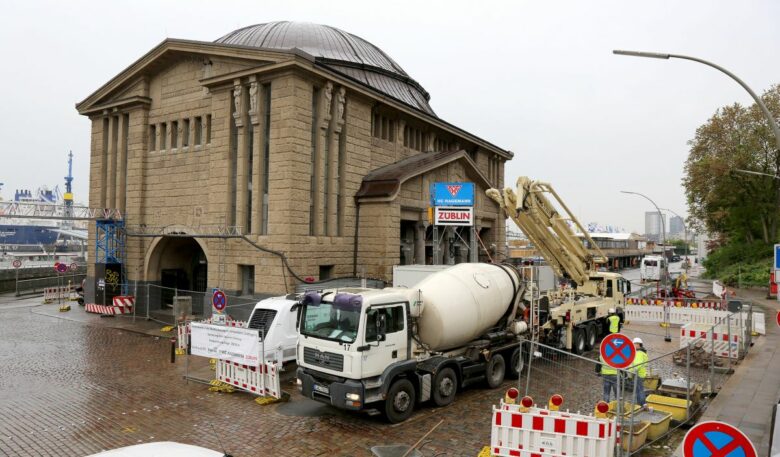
[
  {"x": 235, "y": 344},
  {"x": 454, "y": 216}
]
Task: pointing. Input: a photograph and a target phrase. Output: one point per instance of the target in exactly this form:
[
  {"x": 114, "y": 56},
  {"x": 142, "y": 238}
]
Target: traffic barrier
[
  {"x": 52, "y": 294},
  {"x": 103, "y": 309},
  {"x": 682, "y": 316},
  {"x": 677, "y": 303},
  {"x": 530, "y": 432},
  {"x": 715, "y": 339},
  {"x": 260, "y": 380}
]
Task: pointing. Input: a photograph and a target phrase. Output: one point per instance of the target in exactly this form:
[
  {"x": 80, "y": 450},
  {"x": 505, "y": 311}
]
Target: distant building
[
  {"x": 653, "y": 225},
  {"x": 676, "y": 226}
]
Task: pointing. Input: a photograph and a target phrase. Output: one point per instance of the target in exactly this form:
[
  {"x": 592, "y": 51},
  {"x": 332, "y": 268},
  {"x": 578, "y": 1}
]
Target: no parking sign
[
  {"x": 219, "y": 301},
  {"x": 717, "y": 439},
  {"x": 617, "y": 350}
]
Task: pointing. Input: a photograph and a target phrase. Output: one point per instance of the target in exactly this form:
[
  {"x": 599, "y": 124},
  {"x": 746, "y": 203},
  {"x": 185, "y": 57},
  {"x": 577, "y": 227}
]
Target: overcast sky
[{"x": 537, "y": 78}]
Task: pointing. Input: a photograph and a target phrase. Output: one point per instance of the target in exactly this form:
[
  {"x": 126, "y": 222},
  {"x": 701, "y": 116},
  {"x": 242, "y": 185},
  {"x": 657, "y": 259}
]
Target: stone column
[
  {"x": 419, "y": 242},
  {"x": 321, "y": 147},
  {"x": 121, "y": 165},
  {"x": 111, "y": 162},
  {"x": 257, "y": 166},
  {"x": 333, "y": 163},
  {"x": 242, "y": 158}
]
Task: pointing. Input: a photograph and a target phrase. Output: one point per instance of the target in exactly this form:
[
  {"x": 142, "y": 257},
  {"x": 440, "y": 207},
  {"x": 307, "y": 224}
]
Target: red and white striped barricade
[
  {"x": 52, "y": 294},
  {"x": 260, "y": 380},
  {"x": 677, "y": 303},
  {"x": 122, "y": 304},
  {"x": 725, "y": 344},
  {"x": 531, "y": 432}
]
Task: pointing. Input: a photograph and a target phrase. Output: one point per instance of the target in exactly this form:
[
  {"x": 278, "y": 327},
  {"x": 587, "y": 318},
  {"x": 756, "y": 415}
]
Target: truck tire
[
  {"x": 516, "y": 363},
  {"x": 445, "y": 385},
  {"x": 400, "y": 400},
  {"x": 495, "y": 371},
  {"x": 578, "y": 341},
  {"x": 591, "y": 335}
]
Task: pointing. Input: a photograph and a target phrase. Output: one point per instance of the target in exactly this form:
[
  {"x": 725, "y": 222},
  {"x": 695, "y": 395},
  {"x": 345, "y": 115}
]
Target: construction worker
[
  {"x": 614, "y": 321},
  {"x": 639, "y": 369},
  {"x": 609, "y": 377}
]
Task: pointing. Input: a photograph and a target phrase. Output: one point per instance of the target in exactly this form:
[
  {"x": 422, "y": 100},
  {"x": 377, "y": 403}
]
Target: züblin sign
[{"x": 452, "y": 194}]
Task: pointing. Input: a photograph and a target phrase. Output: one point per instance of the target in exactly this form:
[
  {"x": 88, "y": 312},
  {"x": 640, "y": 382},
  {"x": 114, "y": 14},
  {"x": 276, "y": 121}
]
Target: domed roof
[{"x": 338, "y": 50}]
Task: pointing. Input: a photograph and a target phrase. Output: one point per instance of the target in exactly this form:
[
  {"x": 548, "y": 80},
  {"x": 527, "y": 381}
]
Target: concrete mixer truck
[{"x": 388, "y": 350}]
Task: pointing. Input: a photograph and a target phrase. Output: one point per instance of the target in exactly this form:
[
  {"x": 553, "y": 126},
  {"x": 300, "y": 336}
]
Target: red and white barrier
[
  {"x": 682, "y": 316},
  {"x": 717, "y": 339},
  {"x": 544, "y": 433},
  {"x": 260, "y": 380},
  {"x": 52, "y": 294},
  {"x": 123, "y": 304},
  {"x": 706, "y": 304}
]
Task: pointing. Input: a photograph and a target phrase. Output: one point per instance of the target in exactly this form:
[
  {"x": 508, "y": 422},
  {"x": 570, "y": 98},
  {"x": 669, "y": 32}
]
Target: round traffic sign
[
  {"x": 717, "y": 439},
  {"x": 74, "y": 266},
  {"x": 61, "y": 267},
  {"x": 17, "y": 263},
  {"x": 218, "y": 300},
  {"x": 617, "y": 350}
]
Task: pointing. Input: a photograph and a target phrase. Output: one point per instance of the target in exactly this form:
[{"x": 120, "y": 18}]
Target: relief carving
[{"x": 341, "y": 100}]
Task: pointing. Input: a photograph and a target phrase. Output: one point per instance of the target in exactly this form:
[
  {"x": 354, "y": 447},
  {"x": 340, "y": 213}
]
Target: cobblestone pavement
[{"x": 71, "y": 388}]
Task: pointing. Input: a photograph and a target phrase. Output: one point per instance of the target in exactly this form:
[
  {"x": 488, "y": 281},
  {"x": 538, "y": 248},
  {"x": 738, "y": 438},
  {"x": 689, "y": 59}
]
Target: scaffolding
[{"x": 110, "y": 246}]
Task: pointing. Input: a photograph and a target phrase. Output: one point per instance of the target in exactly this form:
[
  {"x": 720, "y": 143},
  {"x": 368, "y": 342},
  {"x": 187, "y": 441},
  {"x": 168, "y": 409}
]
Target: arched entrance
[{"x": 177, "y": 263}]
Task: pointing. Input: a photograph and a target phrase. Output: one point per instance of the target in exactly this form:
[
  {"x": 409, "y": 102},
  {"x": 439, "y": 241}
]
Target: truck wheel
[
  {"x": 496, "y": 369},
  {"x": 578, "y": 341},
  {"x": 590, "y": 336},
  {"x": 444, "y": 387},
  {"x": 516, "y": 363},
  {"x": 399, "y": 404}
]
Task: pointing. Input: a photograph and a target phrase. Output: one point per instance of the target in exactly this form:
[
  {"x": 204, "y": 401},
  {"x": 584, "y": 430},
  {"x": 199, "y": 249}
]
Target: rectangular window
[
  {"x": 391, "y": 132},
  {"x": 376, "y": 126},
  {"x": 208, "y": 129},
  {"x": 185, "y": 134},
  {"x": 247, "y": 273},
  {"x": 394, "y": 321},
  {"x": 198, "y": 131},
  {"x": 174, "y": 134},
  {"x": 152, "y": 137},
  {"x": 266, "y": 156},
  {"x": 163, "y": 136},
  {"x": 326, "y": 272},
  {"x": 250, "y": 147}
]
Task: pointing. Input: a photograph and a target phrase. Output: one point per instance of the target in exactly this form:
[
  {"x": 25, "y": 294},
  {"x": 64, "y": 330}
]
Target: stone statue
[
  {"x": 328, "y": 94},
  {"x": 341, "y": 100},
  {"x": 237, "y": 100},
  {"x": 253, "y": 97}
]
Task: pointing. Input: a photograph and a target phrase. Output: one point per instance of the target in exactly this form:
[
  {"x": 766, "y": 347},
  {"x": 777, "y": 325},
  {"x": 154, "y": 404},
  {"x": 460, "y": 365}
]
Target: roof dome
[{"x": 338, "y": 50}]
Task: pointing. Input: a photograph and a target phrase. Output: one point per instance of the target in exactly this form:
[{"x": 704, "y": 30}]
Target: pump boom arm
[{"x": 541, "y": 222}]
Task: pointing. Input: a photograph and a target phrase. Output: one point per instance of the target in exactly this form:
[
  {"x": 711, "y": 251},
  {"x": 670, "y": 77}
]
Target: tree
[{"x": 741, "y": 208}]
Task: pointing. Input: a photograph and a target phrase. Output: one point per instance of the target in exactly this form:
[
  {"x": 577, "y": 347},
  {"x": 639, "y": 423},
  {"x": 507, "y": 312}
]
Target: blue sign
[
  {"x": 777, "y": 257},
  {"x": 452, "y": 194}
]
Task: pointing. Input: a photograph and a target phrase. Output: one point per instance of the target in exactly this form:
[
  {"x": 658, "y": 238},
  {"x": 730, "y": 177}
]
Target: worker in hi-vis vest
[
  {"x": 639, "y": 369},
  {"x": 609, "y": 377},
  {"x": 614, "y": 321}
]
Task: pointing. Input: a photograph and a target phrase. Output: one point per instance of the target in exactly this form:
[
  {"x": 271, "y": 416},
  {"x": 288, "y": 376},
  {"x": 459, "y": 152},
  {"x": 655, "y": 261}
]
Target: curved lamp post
[
  {"x": 657, "y": 55},
  {"x": 668, "y": 336}
]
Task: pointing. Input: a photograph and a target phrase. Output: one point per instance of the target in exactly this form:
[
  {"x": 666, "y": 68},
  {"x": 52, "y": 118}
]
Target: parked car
[{"x": 676, "y": 258}]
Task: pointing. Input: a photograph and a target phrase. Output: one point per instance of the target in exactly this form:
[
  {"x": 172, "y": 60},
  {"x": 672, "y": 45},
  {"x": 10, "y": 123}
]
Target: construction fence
[{"x": 681, "y": 377}]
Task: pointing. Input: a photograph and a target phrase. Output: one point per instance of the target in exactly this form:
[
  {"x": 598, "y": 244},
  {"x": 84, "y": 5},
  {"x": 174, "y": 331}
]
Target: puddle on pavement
[{"x": 304, "y": 407}]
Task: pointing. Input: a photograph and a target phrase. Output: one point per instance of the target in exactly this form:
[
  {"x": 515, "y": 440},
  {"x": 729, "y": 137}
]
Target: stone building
[{"x": 307, "y": 140}]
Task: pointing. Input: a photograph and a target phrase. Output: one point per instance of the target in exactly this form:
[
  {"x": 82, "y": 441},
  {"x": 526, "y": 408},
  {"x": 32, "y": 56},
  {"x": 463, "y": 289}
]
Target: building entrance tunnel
[{"x": 180, "y": 267}]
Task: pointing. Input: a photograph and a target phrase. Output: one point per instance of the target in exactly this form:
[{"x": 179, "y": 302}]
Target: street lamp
[
  {"x": 656, "y": 55},
  {"x": 685, "y": 230},
  {"x": 757, "y": 173},
  {"x": 668, "y": 337}
]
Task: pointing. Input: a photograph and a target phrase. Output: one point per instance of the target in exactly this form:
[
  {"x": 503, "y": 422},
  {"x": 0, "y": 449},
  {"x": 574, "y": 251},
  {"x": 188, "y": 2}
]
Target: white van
[
  {"x": 277, "y": 317},
  {"x": 653, "y": 268}
]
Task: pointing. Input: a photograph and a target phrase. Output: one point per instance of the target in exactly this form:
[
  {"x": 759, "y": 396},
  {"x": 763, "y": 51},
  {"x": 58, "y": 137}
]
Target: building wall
[{"x": 190, "y": 188}]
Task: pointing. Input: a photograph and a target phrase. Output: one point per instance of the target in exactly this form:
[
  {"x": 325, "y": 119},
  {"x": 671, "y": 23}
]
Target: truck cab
[
  {"x": 349, "y": 339},
  {"x": 277, "y": 318}
]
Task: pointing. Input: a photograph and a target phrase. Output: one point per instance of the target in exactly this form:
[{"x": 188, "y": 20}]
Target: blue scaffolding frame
[{"x": 110, "y": 245}]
